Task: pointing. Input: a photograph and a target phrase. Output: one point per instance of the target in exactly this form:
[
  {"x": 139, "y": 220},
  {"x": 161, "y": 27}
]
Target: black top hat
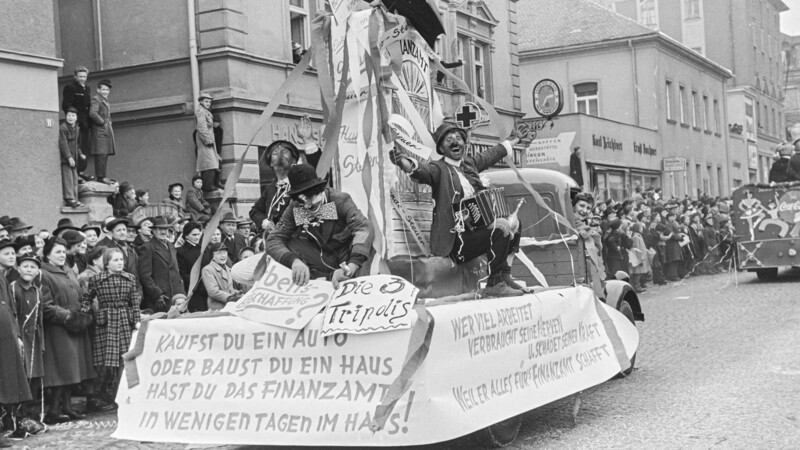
[
  {"x": 113, "y": 224},
  {"x": 303, "y": 177},
  {"x": 442, "y": 131}
]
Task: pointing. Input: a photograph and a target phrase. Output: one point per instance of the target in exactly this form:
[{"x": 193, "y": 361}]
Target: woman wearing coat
[
  {"x": 198, "y": 208},
  {"x": 14, "y": 387},
  {"x": 207, "y": 157},
  {"x": 102, "y": 143},
  {"x": 117, "y": 315},
  {"x": 68, "y": 355},
  {"x": 188, "y": 254},
  {"x": 217, "y": 279}
]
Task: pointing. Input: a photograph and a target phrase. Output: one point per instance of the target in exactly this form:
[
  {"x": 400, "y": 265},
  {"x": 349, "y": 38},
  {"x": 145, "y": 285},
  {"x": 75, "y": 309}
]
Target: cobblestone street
[{"x": 718, "y": 367}]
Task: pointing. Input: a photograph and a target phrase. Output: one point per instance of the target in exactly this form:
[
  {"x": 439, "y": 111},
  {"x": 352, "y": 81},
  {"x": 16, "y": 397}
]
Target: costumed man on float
[
  {"x": 322, "y": 233},
  {"x": 281, "y": 155},
  {"x": 454, "y": 178}
]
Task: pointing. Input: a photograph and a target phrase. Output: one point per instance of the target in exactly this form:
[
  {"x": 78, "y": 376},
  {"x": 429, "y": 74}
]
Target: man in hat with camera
[
  {"x": 207, "y": 156},
  {"x": 102, "y": 133},
  {"x": 456, "y": 177},
  {"x": 322, "y": 233},
  {"x": 158, "y": 268}
]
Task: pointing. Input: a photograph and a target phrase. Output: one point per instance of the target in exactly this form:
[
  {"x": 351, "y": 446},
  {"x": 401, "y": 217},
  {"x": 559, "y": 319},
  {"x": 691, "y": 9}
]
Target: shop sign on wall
[
  {"x": 606, "y": 143},
  {"x": 674, "y": 164}
]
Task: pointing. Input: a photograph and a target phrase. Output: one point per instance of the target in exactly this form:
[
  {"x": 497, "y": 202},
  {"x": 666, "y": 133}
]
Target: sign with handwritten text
[
  {"x": 369, "y": 305},
  {"x": 276, "y": 300},
  {"x": 225, "y": 380}
]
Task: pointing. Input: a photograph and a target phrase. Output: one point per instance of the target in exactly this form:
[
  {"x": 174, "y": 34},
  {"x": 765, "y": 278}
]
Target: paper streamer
[
  {"x": 613, "y": 336},
  {"x": 533, "y": 270},
  {"x": 418, "y": 347}
]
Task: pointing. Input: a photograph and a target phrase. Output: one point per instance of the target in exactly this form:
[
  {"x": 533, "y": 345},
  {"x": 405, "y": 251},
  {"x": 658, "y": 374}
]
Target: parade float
[{"x": 410, "y": 354}]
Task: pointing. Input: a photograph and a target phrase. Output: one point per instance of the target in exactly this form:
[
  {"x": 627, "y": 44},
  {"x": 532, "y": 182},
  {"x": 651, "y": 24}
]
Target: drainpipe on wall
[
  {"x": 98, "y": 36},
  {"x": 193, "y": 53},
  {"x": 635, "y": 83}
]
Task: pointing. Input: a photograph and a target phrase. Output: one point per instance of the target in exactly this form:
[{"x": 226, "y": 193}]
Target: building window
[
  {"x": 774, "y": 122},
  {"x": 716, "y": 116},
  {"x": 300, "y": 26},
  {"x": 695, "y": 119},
  {"x": 668, "y": 99},
  {"x": 749, "y": 118},
  {"x": 647, "y": 13},
  {"x": 758, "y": 115},
  {"x": 479, "y": 70},
  {"x": 692, "y": 9},
  {"x": 683, "y": 105},
  {"x": 586, "y": 98},
  {"x": 705, "y": 113}
]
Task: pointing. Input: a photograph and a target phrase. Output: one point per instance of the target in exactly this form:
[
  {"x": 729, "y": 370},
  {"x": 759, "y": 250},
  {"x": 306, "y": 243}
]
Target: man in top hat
[
  {"x": 118, "y": 238},
  {"x": 281, "y": 155},
  {"x": 233, "y": 241},
  {"x": 102, "y": 134},
  {"x": 207, "y": 156},
  {"x": 455, "y": 178},
  {"x": 158, "y": 268},
  {"x": 322, "y": 233}
]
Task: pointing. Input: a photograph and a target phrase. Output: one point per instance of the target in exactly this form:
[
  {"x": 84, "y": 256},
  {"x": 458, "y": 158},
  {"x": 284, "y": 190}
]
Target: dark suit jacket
[
  {"x": 81, "y": 98},
  {"x": 347, "y": 239},
  {"x": 158, "y": 267},
  {"x": 235, "y": 245},
  {"x": 447, "y": 190}
]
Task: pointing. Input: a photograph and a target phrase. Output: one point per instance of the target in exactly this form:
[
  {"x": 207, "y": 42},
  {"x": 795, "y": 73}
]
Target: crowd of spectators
[
  {"x": 648, "y": 239},
  {"x": 71, "y": 297}
]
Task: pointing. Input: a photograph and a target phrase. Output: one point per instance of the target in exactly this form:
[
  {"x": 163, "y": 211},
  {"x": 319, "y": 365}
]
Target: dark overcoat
[
  {"x": 31, "y": 327},
  {"x": 158, "y": 269},
  {"x": 67, "y": 356},
  {"x": 79, "y": 96},
  {"x": 102, "y": 134},
  {"x": 13, "y": 379}
]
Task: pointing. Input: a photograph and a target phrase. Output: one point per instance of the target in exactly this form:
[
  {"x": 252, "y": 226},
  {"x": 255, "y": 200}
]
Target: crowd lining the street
[{"x": 71, "y": 298}]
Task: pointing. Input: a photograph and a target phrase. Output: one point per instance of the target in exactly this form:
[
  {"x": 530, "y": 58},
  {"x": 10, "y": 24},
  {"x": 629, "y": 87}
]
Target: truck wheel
[
  {"x": 499, "y": 434},
  {"x": 767, "y": 274},
  {"x": 626, "y": 310}
]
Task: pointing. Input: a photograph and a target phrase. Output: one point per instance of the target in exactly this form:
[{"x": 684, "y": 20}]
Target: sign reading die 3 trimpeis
[{"x": 370, "y": 305}]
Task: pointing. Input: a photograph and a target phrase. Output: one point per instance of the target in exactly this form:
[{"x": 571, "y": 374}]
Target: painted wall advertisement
[
  {"x": 550, "y": 151},
  {"x": 227, "y": 380}
]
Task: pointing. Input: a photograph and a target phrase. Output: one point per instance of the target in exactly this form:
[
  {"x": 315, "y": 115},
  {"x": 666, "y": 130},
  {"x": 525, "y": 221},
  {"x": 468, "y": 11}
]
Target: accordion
[{"x": 482, "y": 209}]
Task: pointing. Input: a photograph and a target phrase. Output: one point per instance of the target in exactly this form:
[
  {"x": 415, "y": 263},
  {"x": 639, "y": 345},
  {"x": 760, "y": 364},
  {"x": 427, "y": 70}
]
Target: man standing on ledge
[
  {"x": 102, "y": 143},
  {"x": 322, "y": 233},
  {"x": 453, "y": 178}
]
